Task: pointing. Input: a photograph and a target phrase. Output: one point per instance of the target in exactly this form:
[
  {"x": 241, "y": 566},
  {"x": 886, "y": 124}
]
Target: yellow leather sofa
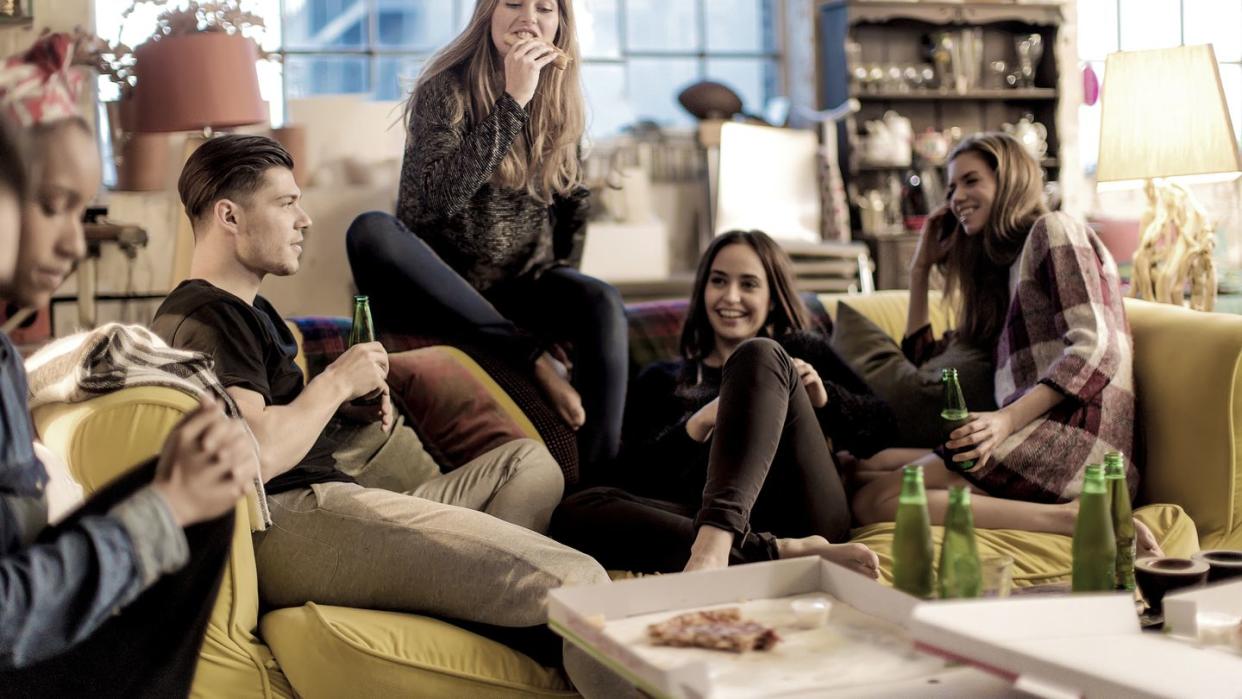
[
  {"x": 1187, "y": 366},
  {"x": 310, "y": 651}
]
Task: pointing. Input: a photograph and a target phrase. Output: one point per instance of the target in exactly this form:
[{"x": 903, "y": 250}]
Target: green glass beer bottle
[
  {"x": 1094, "y": 547},
  {"x": 960, "y": 572},
  {"x": 912, "y": 542},
  {"x": 955, "y": 414},
  {"x": 363, "y": 330},
  {"x": 1123, "y": 519}
]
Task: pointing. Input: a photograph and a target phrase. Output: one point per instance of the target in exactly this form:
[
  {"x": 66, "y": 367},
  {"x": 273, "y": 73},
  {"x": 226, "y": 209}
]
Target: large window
[
  {"x": 637, "y": 54},
  {"x": 1105, "y": 26}
]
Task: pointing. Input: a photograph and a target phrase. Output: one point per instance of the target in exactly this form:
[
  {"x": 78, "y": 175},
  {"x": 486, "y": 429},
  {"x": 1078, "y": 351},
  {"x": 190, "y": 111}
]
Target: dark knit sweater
[
  {"x": 655, "y": 444},
  {"x": 486, "y": 234}
]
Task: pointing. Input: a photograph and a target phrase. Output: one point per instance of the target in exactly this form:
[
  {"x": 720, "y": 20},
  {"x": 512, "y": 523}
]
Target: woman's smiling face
[{"x": 972, "y": 191}]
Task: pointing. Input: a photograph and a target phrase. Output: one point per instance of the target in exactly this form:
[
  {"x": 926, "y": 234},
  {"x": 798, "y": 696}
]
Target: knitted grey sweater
[{"x": 487, "y": 234}]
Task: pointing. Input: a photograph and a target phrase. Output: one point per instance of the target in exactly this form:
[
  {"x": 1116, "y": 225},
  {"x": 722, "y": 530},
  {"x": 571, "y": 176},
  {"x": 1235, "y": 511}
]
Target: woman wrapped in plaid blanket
[{"x": 1043, "y": 291}]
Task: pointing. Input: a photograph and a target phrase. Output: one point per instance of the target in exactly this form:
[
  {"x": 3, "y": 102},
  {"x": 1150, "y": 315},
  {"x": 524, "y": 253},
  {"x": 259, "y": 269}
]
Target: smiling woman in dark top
[
  {"x": 730, "y": 440},
  {"x": 490, "y": 212}
]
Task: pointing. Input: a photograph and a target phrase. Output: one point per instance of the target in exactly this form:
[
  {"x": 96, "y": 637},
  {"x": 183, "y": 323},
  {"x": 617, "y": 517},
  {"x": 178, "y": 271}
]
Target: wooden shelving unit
[
  {"x": 1006, "y": 95},
  {"x": 894, "y": 33}
]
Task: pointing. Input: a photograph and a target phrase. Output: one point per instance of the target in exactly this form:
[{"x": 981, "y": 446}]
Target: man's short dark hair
[{"x": 229, "y": 166}]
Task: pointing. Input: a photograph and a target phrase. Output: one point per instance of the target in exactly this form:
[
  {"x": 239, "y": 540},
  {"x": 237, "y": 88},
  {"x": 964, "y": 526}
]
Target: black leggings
[
  {"x": 413, "y": 291},
  {"x": 149, "y": 649},
  {"x": 770, "y": 470}
]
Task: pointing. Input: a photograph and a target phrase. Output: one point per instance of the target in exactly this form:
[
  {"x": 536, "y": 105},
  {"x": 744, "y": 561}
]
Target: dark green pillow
[{"x": 914, "y": 392}]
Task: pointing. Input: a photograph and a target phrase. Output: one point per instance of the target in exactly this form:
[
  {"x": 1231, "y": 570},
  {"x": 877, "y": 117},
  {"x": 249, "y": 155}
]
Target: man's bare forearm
[{"x": 286, "y": 433}]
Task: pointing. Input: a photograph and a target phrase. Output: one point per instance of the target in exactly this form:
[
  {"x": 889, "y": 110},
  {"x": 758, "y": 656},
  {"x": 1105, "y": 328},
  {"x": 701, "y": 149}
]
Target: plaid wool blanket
[
  {"x": 114, "y": 356},
  {"x": 1066, "y": 328}
]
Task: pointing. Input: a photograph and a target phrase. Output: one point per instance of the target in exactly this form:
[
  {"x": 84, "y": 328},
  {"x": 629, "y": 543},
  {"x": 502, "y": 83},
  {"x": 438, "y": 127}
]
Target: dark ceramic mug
[
  {"x": 1225, "y": 563},
  {"x": 1158, "y": 576}
]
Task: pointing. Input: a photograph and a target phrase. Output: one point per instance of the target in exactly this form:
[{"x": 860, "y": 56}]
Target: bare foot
[
  {"x": 856, "y": 557},
  {"x": 564, "y": 398},
  {"x": 1146, "y": 541},
  {"x": 710, "y": 550}
]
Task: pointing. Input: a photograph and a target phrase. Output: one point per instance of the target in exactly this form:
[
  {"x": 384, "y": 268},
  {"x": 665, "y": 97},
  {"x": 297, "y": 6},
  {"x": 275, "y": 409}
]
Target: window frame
[{"x": 372, "y": 51}]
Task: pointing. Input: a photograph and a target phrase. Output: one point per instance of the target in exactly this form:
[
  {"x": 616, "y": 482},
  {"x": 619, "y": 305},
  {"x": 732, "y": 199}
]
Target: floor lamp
[
  {"x": 197, "y": 83},
  {"x": 1165, "y": 125}
]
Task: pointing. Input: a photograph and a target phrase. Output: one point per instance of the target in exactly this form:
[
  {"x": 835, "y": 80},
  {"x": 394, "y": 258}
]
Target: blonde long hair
[
  {"x": 546, "y": 161},
  {"x": 976, "y": 270}
]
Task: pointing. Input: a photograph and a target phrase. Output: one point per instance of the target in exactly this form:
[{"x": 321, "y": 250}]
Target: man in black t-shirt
[{"x": 419, "y": 542}]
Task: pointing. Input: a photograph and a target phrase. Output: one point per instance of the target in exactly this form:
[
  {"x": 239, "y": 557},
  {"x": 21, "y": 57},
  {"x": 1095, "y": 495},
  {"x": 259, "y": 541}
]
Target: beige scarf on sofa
[{"x": 114, "y": 356}]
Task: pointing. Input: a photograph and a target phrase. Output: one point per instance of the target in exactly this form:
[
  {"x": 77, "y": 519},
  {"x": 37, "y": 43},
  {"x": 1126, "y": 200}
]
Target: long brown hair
[
  {"x": 788, "y": 313},
  {"x": 976, "y": 270},
  {"x": 13, "y": 174},
  {"x": 545, "y": 162}
]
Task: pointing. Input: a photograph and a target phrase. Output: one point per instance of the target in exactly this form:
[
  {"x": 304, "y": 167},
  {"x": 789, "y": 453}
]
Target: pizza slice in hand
[{"x": 562, "y": 60}]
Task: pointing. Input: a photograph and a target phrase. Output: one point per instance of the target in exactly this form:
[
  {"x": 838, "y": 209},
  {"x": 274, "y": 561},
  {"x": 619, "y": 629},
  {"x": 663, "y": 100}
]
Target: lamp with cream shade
[{"x": 1165, "y": 125}]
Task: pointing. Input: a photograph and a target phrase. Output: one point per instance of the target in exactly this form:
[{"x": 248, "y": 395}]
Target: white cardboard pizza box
[
  {"x": 863, "y": 650},
  {"x": 1185, "y": 611},
  {"x": 1074, "y": 646}
]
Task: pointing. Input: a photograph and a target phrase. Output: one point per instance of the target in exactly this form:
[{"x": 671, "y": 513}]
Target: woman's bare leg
[
  {"x": 877, "y": 502},
  {"x": 859, "y": 472},
  {"x": 891, "y": 459}
]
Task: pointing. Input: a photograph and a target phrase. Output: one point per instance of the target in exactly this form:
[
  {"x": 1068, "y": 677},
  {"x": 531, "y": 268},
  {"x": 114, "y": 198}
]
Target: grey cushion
[{"x": 914, "y": 392}]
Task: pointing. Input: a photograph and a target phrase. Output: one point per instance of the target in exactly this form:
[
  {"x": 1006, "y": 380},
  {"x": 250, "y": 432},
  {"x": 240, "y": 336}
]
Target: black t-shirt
[{"x": 253, "y": 349}]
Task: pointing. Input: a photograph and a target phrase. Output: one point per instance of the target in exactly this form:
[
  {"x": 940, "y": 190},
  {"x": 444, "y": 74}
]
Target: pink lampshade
[{"x": 189, "y": 82}]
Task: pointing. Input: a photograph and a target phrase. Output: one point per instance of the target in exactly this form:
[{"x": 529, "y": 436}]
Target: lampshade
[
  {"x": 194, "y": 81},
  {"x": 1164, "y": 115}
]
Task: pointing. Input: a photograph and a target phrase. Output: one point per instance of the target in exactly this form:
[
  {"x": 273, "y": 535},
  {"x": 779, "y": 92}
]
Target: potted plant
[{"x": 187, "y": 31}]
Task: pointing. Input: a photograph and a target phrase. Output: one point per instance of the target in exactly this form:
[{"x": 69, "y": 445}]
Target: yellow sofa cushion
[
  {"x": 1040, "y": 558},
  {"x": 887, "y": 309},
  {"x": 100, "y": 439},
  {"x": 329, "y": 651},
  {"x": 1186, "y": 367}
]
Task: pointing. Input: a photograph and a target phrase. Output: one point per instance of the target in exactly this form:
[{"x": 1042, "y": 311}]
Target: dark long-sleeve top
[
  {"x": 665, "y": 395},
  {"x": 485, "y": 233},
  {"x": 58, "y": 585}
]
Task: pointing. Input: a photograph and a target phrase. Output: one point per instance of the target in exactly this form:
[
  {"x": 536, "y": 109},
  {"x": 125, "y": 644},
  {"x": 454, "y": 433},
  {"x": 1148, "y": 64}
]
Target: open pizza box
[
  {"x": 862, "y": 650},
  {"x": 1075, "y": 646},
  {"x": 1050, "y": 646},
  {"x": 1198, "y": 612}
]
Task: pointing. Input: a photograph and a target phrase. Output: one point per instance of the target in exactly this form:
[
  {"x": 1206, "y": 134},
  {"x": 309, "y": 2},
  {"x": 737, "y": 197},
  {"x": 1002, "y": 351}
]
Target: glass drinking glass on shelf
[
  {"x": 912, "y": 77},
  {"x": 894, "y": 79},
  {"x": 1030, "y": 48},
  {"x": 997, "y": 72},
  {"x": 860, "y": 76},
  {"x": 875, "y": 77}
]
